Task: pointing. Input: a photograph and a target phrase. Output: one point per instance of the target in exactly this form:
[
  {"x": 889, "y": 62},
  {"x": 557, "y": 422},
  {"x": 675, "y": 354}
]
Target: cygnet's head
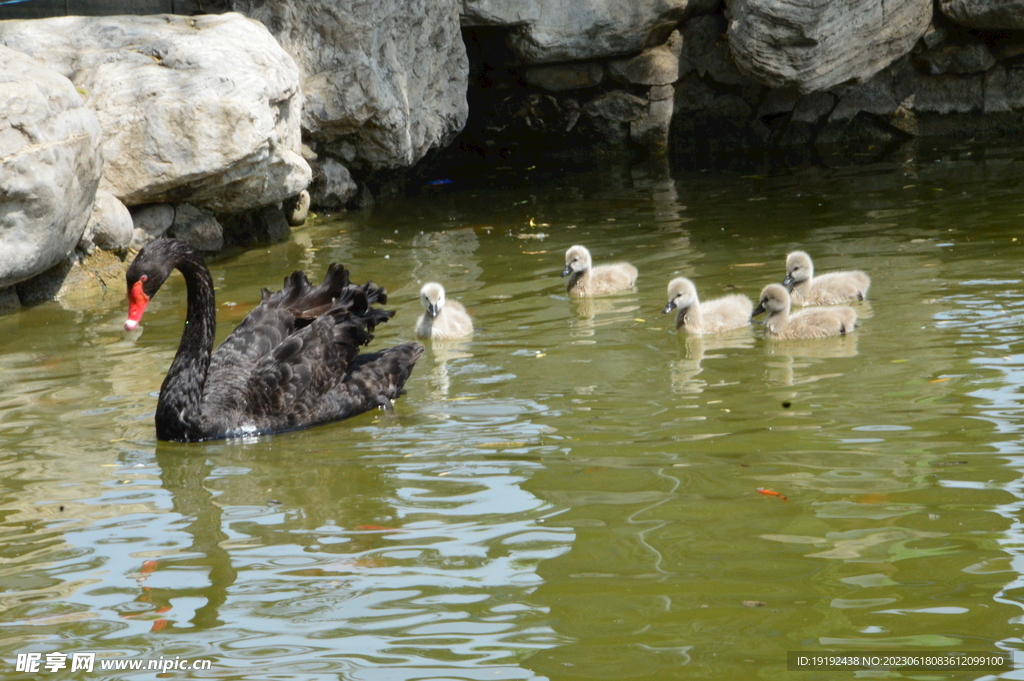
[
  {"x": 681, "y": 294},
  {"x": 577, "y": 259},
  {"x": 432, "y": 298},
  {"x": 798, "y": 268},
  {"x": 774, "y": 298}
]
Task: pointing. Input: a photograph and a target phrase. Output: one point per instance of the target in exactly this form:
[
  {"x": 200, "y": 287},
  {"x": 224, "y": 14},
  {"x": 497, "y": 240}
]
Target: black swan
[{"x": 293, "y": 362}]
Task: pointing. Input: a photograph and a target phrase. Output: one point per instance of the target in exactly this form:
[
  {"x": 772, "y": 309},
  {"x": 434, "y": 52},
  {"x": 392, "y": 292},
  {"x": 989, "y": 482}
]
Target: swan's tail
[
  {"x": 354, "y": 316},
  {"x": 336, "y": 295},
  {"x": 300, "y": 297},
  {"x": 383, "y": 374},
  {"x": 373, "y": 380}
]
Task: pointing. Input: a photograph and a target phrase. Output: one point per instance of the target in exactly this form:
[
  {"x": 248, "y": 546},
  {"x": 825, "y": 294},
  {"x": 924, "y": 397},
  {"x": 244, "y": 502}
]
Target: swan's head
[
  {"x": 432, "y": 298},
  {"x": 577, "y": 259},
  {"x": 148, "y": 272},
  {"x": 681, "y": 294},
  {"x": 774, "y": 298},
  {"x": 798, "y": 268}
]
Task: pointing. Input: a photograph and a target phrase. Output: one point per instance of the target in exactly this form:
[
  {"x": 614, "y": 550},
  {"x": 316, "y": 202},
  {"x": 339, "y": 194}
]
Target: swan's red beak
[{"x": 137, "y": 302}]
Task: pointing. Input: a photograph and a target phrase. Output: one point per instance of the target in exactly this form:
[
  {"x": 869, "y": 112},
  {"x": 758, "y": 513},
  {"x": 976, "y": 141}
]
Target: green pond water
[{"x": 572, "y": 493}]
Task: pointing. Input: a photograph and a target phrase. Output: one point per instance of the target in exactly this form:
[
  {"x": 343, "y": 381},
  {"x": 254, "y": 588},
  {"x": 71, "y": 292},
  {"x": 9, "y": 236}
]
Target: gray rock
[
  {"x": 50, "y": 164},
  {"x": 333, "y": 186},
  {"x": 544, "y": 32},
  {"x": 996, "y": 100},
  {"x": 384, "y": 81},
  {"x": 263, "y": 226},
  {"x": 901, "y": 102},
  {"x": 45, "y": 285},
  {"x": 935, "y": 35},
  {"x": 992, "y": 14},
  {"x": 973, "y": 57},
  {"x": 808, "y": 115},
  {"x": 1009, "y": 49},
  {"x": 817, "y": 45},
  {"x": 9, "y": 298},
  {"x": 150, "y": 222},
  {"x": 873, "y": 97},
  {"x": 197, "y": 227},
  {"x": 730, "y": 107},
  {"x": 618, "y": 106},
  {"x": 693, "y": 95},
  {"x": 950, "y": 93},
  {"x": 296, "y": 209},
  {"x": 814, "y": 107},
  {"x": 110, "y": 225},
  {"x": 204, "y": 109},
  {"x": 659, "y": 92},
  {"x": 705, "y": 51},
  {"x": 777, "y": 102},
  {"x": 565, "y": 76},
  {"x": 651, "y": 129},
  {"x": 91, "y": 280},
  {"x": 546, "y": 114},
  {"x": 270, "y": 225},
  {"x": 1003, "y": 90},
  {"x": 656, "y": 66},
  {"x": 914, "y": 92},
  {"x": 80, "y": 282}
]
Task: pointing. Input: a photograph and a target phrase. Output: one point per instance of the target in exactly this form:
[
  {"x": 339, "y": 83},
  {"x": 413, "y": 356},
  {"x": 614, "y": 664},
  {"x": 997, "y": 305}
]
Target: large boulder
[
  {"x": 200, "y": 229},
  {"x": 50, "y": 164},
  {"x": 542, "y": 31},
  {"x": 655, "y": 66},
  {"x": 816, "y": 44},
  {"x": 992, "y": 14},
  {"x": 109, "y": 227},
  {"x": 204, "y": 109},
  {"x": 333, "y": 186},
  {"x": 384, "y": 80}
]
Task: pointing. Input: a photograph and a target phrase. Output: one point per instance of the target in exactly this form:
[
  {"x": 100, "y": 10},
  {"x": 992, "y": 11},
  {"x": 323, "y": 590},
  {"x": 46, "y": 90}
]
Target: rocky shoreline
[{"x": 226, "y": 126}]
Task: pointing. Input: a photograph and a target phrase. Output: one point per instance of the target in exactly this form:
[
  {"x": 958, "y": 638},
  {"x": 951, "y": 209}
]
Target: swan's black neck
[{"x": 179, "y": 409}]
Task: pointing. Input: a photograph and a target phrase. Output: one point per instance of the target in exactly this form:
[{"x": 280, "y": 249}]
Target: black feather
[{"x": 293, "y": 362}]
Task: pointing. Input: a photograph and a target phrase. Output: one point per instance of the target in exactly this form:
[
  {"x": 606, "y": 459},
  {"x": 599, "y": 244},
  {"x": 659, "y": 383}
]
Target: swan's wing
[
  {"x": 277, "y": 316},
  {"x": 286, "y": 388},
  {"x": 259, "y": 333},
  {"x": 374, "y": 380}
]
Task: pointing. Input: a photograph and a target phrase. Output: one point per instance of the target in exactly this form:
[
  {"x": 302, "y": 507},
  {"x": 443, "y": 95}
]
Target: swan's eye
[{"x": 143, "y": 278}]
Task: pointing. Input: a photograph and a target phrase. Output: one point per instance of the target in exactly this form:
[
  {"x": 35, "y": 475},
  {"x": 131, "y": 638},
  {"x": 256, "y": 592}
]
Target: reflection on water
[
  {"x": 573, "y": 492},
  {"x": 589, "y": 314},
  {"x": 698, "y": 349},
  {"x": 791, "y": 363},
  {"x": 444, "y": 353}
]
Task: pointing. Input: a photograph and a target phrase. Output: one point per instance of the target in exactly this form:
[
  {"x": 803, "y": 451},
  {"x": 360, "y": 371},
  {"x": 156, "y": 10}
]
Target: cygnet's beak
[
  {"x": 788, "y": 282},
  {"x": 757, "y": 310},
  {"x": 432, "y": 310},
  {"x": 567, "y": 271},
  {"x": 668, "y": 308}
]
